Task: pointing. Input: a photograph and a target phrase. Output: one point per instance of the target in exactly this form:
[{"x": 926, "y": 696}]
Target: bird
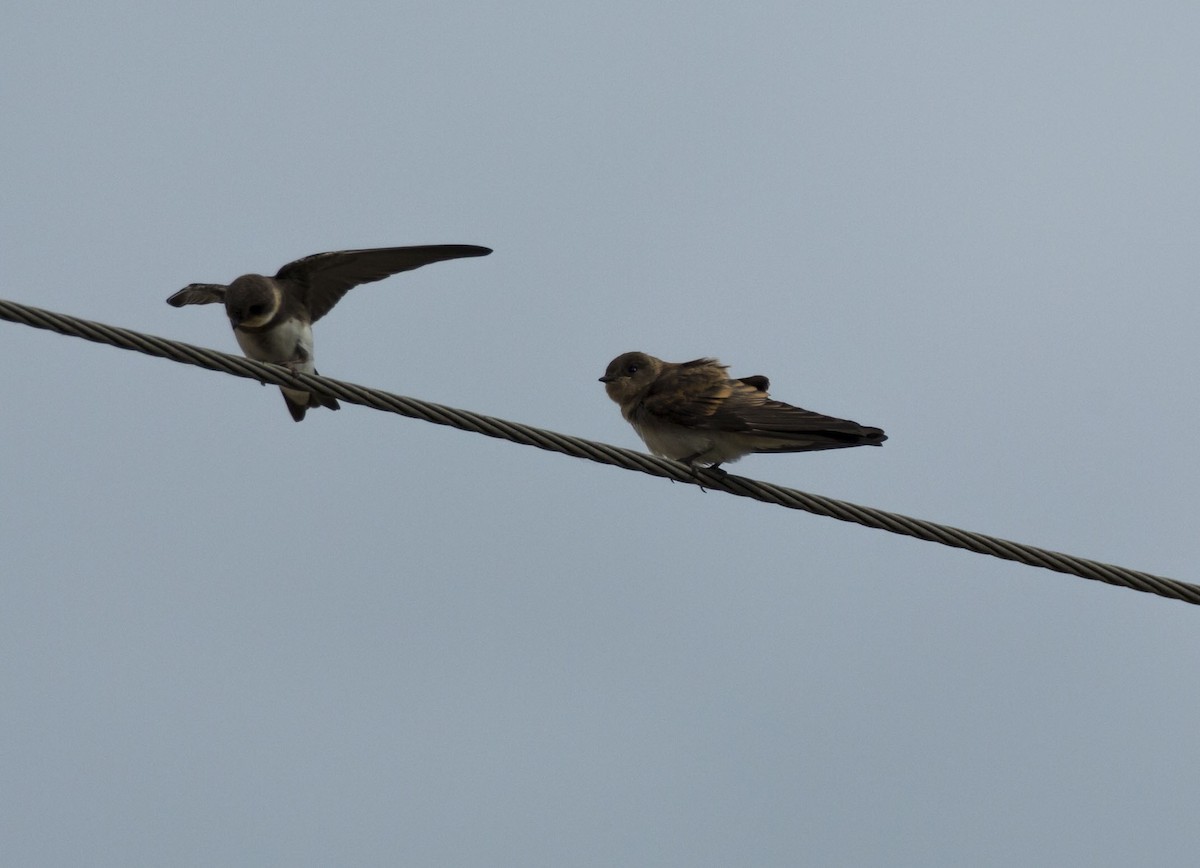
[
  {"x": 695, "y": 413},
  {"x": 272, "y": 317}
]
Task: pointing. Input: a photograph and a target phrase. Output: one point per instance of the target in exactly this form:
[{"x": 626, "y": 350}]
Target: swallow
[
  {"x": 272, "y": 317},
  {"x": 695, "y": 413}
]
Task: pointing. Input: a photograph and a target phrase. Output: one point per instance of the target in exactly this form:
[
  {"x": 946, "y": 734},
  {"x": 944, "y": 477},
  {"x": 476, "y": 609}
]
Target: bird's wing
[
  {"x": 758, "y": 381},
  {"x": 780, "y": 427},
  {"x": 198, "y": 293},
  {"x": 324, "y": 278},
  {"x": 701, "y": 397},
  {"x": 689, "y": 394}
]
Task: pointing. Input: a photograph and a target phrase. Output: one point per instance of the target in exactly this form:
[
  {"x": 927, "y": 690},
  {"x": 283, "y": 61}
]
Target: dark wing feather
[
  {"x": 688, "y": 394},
  {"x": 199, "y": 293},
  {"x": 324, "y": 278},
  {"x": 699, "y": 395},
  {"x": 758, "y": 381},
  {"x": 750, "y": 410}
]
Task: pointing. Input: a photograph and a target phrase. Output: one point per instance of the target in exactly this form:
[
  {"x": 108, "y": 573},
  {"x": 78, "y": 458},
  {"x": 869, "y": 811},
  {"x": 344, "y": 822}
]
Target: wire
[{"x": 599, "y": 452}]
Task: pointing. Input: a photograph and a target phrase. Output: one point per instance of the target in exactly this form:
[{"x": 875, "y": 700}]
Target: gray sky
[{"x": 228, "y": 639}]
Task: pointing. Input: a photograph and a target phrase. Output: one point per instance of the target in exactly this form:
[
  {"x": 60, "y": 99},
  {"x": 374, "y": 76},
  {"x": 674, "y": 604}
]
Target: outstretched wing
[
  {"x": 198, "y": 293},
  {"x": 324, "y": 278}
]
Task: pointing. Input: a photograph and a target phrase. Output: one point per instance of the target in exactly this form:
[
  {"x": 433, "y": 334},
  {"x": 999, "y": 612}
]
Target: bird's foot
[{"x": 695, "y": 469}]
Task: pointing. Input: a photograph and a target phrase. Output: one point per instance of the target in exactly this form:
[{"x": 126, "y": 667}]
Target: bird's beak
[{"x": 607, "y": 379}]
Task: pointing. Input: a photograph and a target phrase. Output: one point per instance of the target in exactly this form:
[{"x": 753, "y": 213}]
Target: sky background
[{"x": 228, "y": 639}]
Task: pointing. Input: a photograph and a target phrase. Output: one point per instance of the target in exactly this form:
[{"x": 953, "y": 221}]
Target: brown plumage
[
  {"x": 272, "y": 317},
  {"x": 695, "y": 413}
]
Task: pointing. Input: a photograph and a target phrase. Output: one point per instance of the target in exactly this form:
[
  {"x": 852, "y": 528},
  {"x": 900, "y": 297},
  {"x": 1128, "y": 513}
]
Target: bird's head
[
  {"x": 630, "y": 374},
  {"x": 252, "y": 301}
]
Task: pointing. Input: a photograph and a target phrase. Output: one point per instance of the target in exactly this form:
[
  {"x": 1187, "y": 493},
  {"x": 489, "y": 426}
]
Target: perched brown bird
[
  {"x": 694, "y": 413},
  {"x": 272, "y": 317}
]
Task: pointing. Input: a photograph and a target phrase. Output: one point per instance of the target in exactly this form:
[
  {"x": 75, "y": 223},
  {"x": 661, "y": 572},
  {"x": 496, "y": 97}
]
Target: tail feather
[
  {"x": 298, "y": 403},
  {"x": 296, "y": 408},
  {"x": 299, "y": 407}
]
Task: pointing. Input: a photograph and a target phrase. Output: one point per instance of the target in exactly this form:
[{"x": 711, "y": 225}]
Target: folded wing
[{"x": 698, "y": 395}]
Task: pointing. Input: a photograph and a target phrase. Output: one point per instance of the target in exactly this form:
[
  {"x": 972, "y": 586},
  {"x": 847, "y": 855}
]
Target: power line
[{"x": 602, "y": 453}]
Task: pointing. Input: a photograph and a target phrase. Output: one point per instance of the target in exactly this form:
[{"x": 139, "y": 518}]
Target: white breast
[
  {"x": 703, "y": 447},
  {"x": 290, "y": 341},
  {"x": 672, "y": 441}
]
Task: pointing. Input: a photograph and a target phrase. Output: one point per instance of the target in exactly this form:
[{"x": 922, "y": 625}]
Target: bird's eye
[
  {"x": 256, "y": 310},
  {"x": 631, "y": 369}
]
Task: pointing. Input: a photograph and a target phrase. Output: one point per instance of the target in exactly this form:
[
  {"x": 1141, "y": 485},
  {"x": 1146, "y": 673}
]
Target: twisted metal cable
[{"x": 602, "y": 453}]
